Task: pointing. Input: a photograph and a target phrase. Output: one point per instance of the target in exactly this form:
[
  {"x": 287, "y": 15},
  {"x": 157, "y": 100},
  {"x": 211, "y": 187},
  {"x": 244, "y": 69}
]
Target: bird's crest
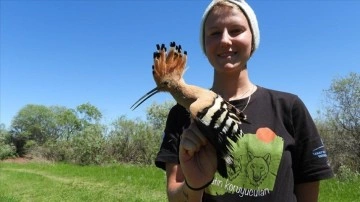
[
  {"x": 167, "y": 70},
  {"x": 168, "y": 65}
]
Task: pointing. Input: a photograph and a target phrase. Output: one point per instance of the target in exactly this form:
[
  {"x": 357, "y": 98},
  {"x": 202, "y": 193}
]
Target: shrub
[
  {"x": 346, "y": 174},
  {"x": 57, "y": 151},
  {"x": 133, "y": 141},
  {"x": 89, "y": 146},
  {"x": 7, "y": 149}
]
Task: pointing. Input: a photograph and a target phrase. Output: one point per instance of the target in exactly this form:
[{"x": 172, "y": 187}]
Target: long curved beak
[{"x": 145, "y": 97}]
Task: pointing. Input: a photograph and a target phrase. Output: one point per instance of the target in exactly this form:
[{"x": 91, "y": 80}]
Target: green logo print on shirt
[{"x": 257, "y": 159}]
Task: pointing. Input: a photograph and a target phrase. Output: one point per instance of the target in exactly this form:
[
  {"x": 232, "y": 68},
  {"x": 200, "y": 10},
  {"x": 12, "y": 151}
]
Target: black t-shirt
[{"x": 280, "y": 148}]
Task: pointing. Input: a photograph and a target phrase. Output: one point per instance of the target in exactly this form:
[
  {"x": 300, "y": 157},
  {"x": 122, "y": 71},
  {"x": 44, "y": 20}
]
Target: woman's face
[{"x": 228, "y": 39}]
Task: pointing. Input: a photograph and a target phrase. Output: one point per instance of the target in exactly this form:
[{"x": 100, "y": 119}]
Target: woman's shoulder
[
  {"x": 276, "y": 94},
  {"x": 178, "y": 114},
  {"x": 178, "y": 119},
  {"x": 177, "y": 109},
  {"x": 283, "y": 99}
]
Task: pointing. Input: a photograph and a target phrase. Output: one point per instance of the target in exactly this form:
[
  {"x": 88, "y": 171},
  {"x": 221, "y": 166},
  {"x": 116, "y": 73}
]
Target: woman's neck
[{"x": 233, "y": 86}]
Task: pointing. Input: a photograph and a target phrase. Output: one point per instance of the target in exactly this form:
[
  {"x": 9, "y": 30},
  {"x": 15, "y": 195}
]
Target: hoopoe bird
[{"x": 216, "y": 118}]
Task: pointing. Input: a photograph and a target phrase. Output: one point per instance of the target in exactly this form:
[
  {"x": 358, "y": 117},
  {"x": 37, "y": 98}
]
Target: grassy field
[
  {"x": 63, "y": 182},
  {"x": 335, "y": 190}
]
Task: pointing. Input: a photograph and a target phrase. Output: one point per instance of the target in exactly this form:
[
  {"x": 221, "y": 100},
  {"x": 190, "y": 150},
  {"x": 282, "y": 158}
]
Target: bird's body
[{"x": 217, "y": 119}]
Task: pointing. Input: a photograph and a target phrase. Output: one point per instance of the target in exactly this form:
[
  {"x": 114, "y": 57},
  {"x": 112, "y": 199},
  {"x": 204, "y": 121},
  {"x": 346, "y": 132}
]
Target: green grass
[
  {"x": 340, "y": 190},
  {"x": 64, "y": 182}
]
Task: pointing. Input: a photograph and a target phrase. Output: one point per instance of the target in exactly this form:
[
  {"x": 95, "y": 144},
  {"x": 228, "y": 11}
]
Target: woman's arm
[
  {"x": 197, "y": 167},
  {"x": 176, "y": 188},
  {"x": 307, "y": 192}
]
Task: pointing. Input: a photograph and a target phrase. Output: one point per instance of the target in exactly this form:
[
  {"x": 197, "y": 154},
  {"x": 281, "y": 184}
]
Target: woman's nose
[{"x": 225, "y": 38}]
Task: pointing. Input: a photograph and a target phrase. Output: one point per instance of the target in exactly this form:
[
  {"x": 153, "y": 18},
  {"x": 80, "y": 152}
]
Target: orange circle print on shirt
[{"x": 265, "y": 134}]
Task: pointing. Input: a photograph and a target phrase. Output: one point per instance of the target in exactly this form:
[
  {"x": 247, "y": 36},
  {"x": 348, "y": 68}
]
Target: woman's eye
[
  {"x": 236, "y": 31},
  {"x": 215, "y": 33}
]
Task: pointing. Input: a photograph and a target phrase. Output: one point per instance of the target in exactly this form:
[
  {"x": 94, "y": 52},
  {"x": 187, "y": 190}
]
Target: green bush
[
  {"x": 56, "y": 151},
  {"x": 133, "y": 141},
  {"x": 346, "y": 174},
  {"x": 89, "y": 146},
  {"x": 7, "y": 149},
  {"x": 76, "y": 136}
]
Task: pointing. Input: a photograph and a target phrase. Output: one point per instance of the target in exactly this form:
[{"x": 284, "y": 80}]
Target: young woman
[{"x": 279, "y": 157}]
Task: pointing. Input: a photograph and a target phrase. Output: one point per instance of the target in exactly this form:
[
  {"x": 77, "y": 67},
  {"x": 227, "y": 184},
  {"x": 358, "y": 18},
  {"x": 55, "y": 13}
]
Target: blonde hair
[{"x": 222, "y": 4}]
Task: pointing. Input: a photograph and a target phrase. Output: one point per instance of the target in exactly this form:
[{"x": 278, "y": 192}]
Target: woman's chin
[{"x": 229, "y": 67}]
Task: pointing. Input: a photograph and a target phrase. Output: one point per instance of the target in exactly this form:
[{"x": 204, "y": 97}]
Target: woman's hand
[{"x": 197, "y": 157}]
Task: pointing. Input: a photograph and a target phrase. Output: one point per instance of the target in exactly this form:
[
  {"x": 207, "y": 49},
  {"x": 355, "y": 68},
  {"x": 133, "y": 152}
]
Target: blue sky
[{"x": 70, "y": 52}]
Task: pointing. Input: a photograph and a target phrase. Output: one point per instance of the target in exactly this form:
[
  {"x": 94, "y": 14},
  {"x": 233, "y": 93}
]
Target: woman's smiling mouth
[{"x": 227, "y": 54}]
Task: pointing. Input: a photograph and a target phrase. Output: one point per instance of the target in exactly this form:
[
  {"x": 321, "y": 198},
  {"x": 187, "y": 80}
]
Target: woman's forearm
[{"x": 180, "y": 192}]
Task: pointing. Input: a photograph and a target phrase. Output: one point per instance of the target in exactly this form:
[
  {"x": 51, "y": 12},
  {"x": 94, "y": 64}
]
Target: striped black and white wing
[{"x": 221, "y": 122}]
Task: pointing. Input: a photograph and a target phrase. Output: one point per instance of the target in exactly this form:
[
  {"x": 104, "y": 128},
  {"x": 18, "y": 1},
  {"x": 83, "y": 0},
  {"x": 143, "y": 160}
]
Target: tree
[
  {"x": 157, "y": 114},
  {"x": 34, "y": 125},
  {"x": 67, "y": 122},
  {"x": 133, "y": 141},
  {"x": 344, "y": 104},
  {"x": 7, "y": 149},
  {"x": 33, "y": 122},
  {"x": 341, "y": 126},
  {"x": 89, "y": 146},
  {"x": 88, "y": 113},
  {"x": 138, "y": 141}
]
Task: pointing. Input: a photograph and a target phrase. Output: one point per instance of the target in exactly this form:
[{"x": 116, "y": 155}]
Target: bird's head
[{"x": 167, "y": 70}]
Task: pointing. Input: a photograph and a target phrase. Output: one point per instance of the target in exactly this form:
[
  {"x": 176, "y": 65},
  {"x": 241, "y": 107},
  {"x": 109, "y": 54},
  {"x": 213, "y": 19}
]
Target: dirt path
[
  {"x": 18, "y": 160},
  {"x": 73, "y": 181}
]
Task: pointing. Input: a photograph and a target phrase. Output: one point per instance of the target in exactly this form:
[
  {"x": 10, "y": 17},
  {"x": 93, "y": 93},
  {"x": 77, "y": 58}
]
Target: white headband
[{"x": 249, "y": 13}]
